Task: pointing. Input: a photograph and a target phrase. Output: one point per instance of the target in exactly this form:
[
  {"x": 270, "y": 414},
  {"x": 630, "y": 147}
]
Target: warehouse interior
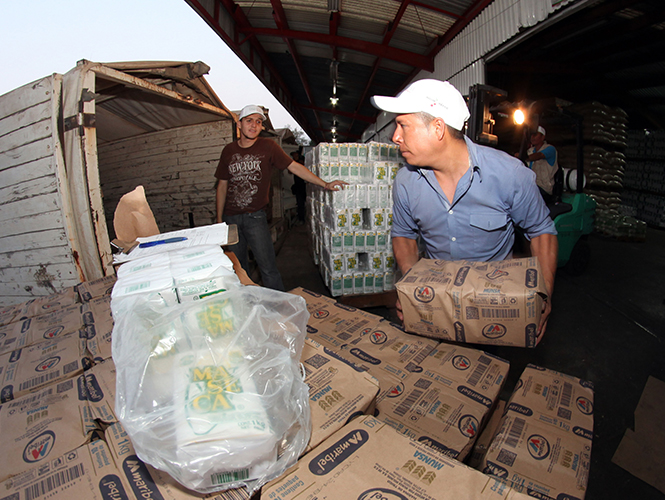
[{"x": 608, "y": 322}]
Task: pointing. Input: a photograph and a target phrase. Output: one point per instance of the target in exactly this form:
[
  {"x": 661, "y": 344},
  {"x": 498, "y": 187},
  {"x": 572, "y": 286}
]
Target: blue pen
[{"x": 161, "y": 242}]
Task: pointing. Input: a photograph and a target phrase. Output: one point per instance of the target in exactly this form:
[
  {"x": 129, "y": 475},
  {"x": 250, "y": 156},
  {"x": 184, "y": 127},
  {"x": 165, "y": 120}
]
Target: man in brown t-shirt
[{"x": 243, "y": 189}]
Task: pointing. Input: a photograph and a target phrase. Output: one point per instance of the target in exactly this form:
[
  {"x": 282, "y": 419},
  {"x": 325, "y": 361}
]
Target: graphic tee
[{"x": 248, "y": 171}]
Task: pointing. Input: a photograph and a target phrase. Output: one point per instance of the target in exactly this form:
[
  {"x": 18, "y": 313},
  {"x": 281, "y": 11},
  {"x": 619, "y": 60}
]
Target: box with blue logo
[
  {"x": 543, "y": 446},
  {"x": 498, "y": 302},
  {"x": 368, "y": 459}
]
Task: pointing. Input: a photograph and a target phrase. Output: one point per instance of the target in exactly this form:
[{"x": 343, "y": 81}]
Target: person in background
[
  {"x": 243, "y": 189},
  {"x": 542, "y": 159},
  {"x": 460, "y": 199},
  {"x": 299, "y": 188}
]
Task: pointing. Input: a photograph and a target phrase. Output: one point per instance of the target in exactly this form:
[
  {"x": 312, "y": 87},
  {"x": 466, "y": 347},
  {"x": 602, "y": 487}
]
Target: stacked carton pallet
[{"x": 350, "y": 228}]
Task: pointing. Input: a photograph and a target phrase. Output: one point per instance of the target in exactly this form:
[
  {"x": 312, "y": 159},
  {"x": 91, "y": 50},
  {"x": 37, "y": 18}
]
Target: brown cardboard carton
[
  {"x": 338, "y": 391},
  {"x": 100, "y": 386},
  {"x": 33, "y": 367},
  {"x": 367, "y": 459},
  {"x": 388, "y": 353},
  {"x": 49, "y": 303},
  {"x": 144, "y": 481},
  {"x": 448, "y": 399},
  {"x": 88, "y": 472},
  {"x": 39, "y": 427},
  {"x": 487, "y": 435},
  {"x": 332, "y": 324},
  {"x": 432, "y": 392},
  {"x": 478, "y": 302},
  {"x": 89, "y": 290},
  {"x": 48, "y": 326},
  {"x": 543, "y": 446},
  {"x": 11, "y": 314},
  {"x": 98, "y": 327}
]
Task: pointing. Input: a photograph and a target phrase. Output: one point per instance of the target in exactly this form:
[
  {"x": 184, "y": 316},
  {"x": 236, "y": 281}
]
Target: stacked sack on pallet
[
  {"x": 605, "y": 138},
  {"x": 645, "y": 176}
]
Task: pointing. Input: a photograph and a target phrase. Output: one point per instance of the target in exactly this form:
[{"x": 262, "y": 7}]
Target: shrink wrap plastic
[{"x": 211, "y": 391}]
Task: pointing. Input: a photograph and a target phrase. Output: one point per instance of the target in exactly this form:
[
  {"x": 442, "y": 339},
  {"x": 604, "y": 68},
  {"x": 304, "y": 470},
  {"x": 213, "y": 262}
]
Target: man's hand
[{"x": 335, "y": 185}]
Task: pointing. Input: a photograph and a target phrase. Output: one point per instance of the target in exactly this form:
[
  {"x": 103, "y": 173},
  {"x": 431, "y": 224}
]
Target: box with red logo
[
  {"x": 33, "y": 367},
  {"x": 367, "y": 459},
  {"x": 543, "y": 446},
  {"x": 38, "y": 427},
  {"x": 98, "y": 327},
  {"x": 87, "y": 472},
  {"x": 448, "y": 399},
  {"x": 497, "y": 302},
  {"x": 332, "y": 324}
]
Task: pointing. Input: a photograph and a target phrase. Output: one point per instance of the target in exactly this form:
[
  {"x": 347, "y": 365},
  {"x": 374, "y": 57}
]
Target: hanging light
[
  {"x": 334, "y": 100},
  {"x": 518, "y": 117}
]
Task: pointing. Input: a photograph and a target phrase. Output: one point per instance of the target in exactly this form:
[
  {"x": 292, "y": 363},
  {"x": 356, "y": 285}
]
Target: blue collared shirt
[{"x": 496, "y": 191}]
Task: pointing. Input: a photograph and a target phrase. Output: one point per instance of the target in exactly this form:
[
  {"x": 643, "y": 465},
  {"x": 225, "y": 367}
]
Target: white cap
[
  {"x": 541, "y": 130},
  {"x": 435, "y": 97},
  {"x": 251, "y": 109}
]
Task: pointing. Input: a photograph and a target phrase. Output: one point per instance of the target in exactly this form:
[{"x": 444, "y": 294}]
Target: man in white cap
[
  {"x": 460, "y": 198},
  {"x": 542, "y": 159},
  {"x": 244, "y": 172}
]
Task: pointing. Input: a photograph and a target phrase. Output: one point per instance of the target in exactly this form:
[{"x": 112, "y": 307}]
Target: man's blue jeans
[{"x": 253, "y": 230}]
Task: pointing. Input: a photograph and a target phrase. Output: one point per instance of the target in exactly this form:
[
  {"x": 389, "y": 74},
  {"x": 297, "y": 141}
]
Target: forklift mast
[{"x": 480, "y": 127}]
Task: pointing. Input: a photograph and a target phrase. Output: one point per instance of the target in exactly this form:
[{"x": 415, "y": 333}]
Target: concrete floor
[{"x": 608, "y": 327}]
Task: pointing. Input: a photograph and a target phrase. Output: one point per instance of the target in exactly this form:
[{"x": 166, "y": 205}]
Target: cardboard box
[
  {"x": 543, "y": 446},
  {"x": 48, "y": 303},
  {"x": 48, "y": 326},
  {"x": 432, "y": 392},
  {"x": 487, "y": 435},
  {"x": 338, "y": 391},
  {"x": 100, "y": 387},
  {"x": 446, "y": 402},
  {"x": 33, "y": 367},
  {"x": 478, "y": 302},
  {"x": 89, "y": 290},
  {"x": 98, "y": 327},
  {"x": 88, "y": 472},
  {"x": 39, "y": 427},
  {"x": 367, "y": 459}
]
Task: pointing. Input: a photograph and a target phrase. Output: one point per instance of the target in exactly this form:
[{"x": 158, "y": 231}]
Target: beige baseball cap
[{"x": 435, "y": 97}]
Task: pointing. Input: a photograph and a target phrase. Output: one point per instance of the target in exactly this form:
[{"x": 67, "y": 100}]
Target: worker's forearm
[
  {"x": 305, "y": 174},
  {"x": 406, "y": 253},
  {"x": 546, "y": 248}
]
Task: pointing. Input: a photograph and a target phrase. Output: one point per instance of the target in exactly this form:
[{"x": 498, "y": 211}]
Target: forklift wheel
[{"x": 579, "y": 258}]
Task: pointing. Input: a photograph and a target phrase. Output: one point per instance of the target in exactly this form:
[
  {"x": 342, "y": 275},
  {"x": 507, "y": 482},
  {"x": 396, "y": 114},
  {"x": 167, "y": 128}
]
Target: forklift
[{"x": 573, "y": 212}]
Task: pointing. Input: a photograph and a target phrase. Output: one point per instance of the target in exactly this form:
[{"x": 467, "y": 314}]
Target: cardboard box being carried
[
  {"x": 367, "y": 459},
  {"x": 543, "y": 446},
  {"x": 478, "y": 302}
]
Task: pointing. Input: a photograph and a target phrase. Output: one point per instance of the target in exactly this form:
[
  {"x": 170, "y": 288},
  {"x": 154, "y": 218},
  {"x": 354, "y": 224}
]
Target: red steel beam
[{"x": 403, "y": 56}]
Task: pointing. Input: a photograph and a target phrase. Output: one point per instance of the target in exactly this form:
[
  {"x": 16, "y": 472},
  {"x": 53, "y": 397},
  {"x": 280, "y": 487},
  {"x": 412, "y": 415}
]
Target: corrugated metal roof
[{"x": 377, "y": 45}]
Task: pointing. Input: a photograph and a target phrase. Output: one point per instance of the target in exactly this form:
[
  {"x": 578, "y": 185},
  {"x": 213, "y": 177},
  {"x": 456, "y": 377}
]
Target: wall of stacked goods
[
  {"x": 644, "y": 193},
  {"x": 350, "y": 228},
  {"x": 605, "y": 140}
]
